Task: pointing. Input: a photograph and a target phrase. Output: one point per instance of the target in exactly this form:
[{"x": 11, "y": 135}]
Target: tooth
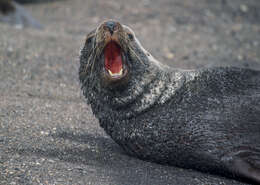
[
  {"x": 111, "y": 74},
  {"x": 116, "y": 74},
  {"x": 121, "y": 71}
]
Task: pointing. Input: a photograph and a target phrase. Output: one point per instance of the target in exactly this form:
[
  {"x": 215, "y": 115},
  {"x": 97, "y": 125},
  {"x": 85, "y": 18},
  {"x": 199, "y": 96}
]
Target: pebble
[
  {"x": 255, "y": 43},
  {"x": 237, "y": 27},
  {"x": 45, "y": 133},
  {"x": 168, "y": 53},
  {"x": 244, "y": 8},
  {"x": 240, "y": 57}
]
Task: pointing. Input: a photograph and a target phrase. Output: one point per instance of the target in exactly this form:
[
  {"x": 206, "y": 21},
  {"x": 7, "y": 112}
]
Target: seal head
[{"x": 109, "y": 53}]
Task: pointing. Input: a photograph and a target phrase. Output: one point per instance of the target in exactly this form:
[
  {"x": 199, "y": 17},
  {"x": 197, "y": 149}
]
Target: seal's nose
[{"x": 111, "y": 26}]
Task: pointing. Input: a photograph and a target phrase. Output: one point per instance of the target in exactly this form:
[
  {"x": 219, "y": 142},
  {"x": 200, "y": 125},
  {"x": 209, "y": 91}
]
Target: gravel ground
[{"x": 48, "y": 134}]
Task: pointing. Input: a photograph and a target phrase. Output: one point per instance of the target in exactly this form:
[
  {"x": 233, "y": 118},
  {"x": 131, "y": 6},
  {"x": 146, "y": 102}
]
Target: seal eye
[
  {"x": 89, "y": 39},
  {"x": 130, "y": 36}
]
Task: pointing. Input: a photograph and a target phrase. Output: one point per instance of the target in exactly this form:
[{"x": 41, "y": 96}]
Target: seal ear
[{"x": 129, "y": 32}]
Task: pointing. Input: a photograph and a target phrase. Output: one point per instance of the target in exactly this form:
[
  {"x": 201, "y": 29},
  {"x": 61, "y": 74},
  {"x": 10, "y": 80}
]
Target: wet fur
[{"x": 206, "y": 119}]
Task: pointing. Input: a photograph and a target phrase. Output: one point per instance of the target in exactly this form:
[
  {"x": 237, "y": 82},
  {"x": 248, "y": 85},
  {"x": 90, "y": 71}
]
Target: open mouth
[{"x": 114, "y": 60}]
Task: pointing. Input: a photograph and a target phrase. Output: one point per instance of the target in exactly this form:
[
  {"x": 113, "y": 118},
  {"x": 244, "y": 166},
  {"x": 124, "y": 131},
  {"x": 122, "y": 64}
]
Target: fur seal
[{"x": 207, "y": 119}]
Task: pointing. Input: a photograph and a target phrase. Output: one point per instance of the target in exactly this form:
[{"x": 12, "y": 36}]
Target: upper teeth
[{"x": 116, "y": 74}]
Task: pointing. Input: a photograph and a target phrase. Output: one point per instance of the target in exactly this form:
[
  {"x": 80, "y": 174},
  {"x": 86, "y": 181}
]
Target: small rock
[
  {"x": 215, "y": 47},
  {"x": 51, "y": 161},
  {"x": 240, "y": 57},
  {"x": 255, "y": 43},
  {"x": 237, "y": 27},
  {"x": 244, "y": 8},
  {"x": 168, "y": 53},
  {"x": 45, "y": 133},
  {"x": 18, "y": 26},
  {"x": 209, "y": 13},
  {"x": 10, "y": 49}
]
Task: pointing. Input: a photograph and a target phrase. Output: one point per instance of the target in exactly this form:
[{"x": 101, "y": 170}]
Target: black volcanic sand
[{"x": 48, "y": 134}]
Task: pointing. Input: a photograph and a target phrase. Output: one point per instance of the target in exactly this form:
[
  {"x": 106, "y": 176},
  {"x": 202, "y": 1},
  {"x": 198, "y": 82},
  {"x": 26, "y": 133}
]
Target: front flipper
[{"x": 244, "y": 163}]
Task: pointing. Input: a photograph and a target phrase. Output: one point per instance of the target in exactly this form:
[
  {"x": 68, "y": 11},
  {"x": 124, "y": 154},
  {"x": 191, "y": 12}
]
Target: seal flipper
[{"x": 244, "y": 163}]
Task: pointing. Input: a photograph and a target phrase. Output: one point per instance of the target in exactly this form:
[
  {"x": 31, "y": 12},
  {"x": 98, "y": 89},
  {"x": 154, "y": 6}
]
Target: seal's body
[{"x": 206, "y": 119}]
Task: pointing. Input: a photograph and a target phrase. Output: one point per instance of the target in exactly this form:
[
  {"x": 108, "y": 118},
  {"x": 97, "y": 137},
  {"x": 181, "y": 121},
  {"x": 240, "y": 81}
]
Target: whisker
[
  {"x": 99, "y": 48},
  {"x": 93, "y": 64},
  {"x": 89, "y": 64}
]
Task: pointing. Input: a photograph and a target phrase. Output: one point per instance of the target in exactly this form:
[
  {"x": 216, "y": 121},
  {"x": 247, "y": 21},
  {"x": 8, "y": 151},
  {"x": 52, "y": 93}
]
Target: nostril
[{"x": 110, "y": 25}]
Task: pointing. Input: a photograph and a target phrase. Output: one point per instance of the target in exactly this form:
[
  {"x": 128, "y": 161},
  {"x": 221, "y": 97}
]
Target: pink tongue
[{"x": 113, "y": 58}]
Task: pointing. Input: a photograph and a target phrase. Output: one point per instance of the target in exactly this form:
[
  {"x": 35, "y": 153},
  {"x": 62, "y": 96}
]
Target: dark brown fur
[{"x": 206, "y": 119}]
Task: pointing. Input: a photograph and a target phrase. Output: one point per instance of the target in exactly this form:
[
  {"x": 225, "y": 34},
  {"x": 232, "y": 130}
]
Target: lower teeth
[{"x": 116, "y": 74}]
